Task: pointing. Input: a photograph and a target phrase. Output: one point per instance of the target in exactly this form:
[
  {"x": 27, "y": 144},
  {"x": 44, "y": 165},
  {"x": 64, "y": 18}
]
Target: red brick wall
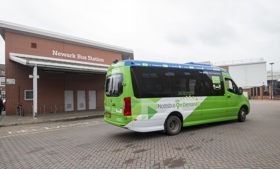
[
  {"x": 51, "y": 84},
  {"x": 17, "y": 43},
  {"x": 14, "y": 92}
]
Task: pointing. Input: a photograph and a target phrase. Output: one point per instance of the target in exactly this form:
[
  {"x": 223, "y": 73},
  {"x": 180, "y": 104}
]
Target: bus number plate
[{"x": 108, "y": 115}]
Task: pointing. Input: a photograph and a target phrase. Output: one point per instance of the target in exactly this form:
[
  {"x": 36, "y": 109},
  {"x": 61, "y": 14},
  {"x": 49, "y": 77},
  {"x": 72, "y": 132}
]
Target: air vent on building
[{"x": 33, "y": 45}]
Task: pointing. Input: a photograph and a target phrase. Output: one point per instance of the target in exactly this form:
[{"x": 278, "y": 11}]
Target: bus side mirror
[{"x": 240, "y": 91}]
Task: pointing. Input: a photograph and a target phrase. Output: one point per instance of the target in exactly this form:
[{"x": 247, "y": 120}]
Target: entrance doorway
[
  {"x": 81, "y": 100},
  {"x": 92, "y": 99},
  {"x": 68, "y": 100}
]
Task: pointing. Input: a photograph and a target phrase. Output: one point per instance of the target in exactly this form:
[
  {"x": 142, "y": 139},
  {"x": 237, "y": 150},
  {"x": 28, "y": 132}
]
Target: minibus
[{"x": 147, "y": 96}]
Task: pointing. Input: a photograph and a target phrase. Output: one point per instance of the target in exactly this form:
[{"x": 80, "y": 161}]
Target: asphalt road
[{"x": 96, "y": 144}]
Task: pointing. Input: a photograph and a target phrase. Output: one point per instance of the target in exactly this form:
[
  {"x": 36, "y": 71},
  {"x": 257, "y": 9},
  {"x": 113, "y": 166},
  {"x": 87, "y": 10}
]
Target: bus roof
[{"x": 190, "y": 65}]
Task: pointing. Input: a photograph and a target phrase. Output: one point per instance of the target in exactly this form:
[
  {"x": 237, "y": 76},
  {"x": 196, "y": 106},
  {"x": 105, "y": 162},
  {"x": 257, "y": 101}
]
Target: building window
[
  {"x": 2, "y": 81},
  {"x": 28, "y": 94},
  {"x": 3, "y": 93}
]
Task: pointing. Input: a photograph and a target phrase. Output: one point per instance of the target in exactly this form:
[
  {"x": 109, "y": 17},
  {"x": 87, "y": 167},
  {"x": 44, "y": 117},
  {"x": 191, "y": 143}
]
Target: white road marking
[{"x": 42, "y": 129}]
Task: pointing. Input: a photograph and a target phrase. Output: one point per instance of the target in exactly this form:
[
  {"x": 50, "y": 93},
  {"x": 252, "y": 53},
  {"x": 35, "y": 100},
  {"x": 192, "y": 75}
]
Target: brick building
[{"x": 51, "y": 72}]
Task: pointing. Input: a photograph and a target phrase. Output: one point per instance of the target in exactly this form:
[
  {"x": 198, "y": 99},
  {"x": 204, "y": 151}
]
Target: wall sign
[
  {"x": 10, "y": 81},
  {"x": 76, "y": 56}
]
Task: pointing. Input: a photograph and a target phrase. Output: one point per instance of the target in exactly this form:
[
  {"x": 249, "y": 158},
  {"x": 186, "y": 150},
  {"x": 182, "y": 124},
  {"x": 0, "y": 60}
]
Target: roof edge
[
  {"x": 194, "y": 66},
  {"x": 245, "y": 63},
  {"x": 18, "y": 28}
]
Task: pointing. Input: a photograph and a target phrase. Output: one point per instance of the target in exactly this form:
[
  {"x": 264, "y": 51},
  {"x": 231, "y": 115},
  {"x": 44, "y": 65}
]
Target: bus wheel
[
  {"x": 173, "y": 125},
  {"x": 242, "y": 114}
]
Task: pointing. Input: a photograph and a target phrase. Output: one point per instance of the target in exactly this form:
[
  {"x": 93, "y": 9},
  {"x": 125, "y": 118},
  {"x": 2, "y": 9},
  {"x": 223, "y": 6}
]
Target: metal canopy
[{"x": 57, "y": 64}]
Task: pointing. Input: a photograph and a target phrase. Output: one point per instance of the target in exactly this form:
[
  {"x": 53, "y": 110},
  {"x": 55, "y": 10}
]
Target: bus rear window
[{"x": 114, "y": 85}]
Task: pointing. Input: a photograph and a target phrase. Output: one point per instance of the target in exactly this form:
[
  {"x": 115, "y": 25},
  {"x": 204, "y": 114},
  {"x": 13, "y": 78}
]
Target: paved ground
[
  {"x": 95, "y": 144},
  {"x": 51, "y": 117}
]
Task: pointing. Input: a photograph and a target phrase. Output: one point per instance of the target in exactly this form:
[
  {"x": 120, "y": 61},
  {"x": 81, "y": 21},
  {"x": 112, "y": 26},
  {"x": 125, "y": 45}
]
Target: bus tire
[
  {"x": 242, "y": 114},
  {"x": 173, "y": 125}
]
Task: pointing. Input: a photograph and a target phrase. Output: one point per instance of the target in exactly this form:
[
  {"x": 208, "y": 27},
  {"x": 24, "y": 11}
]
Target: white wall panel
[
  {"x": 92, "y": 99},
  {"x": 249, "y": 75},
  {"x": 68, "y": 100},
  {"x": 81, "y": 100}
]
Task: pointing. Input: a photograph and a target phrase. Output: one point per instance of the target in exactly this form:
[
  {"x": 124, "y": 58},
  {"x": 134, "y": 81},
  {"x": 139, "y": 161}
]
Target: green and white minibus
[{"x": 148, "y": 96}]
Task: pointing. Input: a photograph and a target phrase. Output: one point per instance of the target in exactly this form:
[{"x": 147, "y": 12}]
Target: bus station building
[{"x": 49, "y": 72}]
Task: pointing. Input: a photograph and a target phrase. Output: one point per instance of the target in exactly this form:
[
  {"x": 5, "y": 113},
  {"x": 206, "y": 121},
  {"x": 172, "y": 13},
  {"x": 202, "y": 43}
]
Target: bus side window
[
  {"x": 209, "y": 83},
  {"x": 231, "y": 86},
  {"x": 216, "y": 82},
  {"x": 206, "y": 84}
]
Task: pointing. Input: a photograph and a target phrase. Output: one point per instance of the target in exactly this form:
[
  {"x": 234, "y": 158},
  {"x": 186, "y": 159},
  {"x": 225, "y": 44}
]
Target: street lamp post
[{"x": 271, "y": 79}]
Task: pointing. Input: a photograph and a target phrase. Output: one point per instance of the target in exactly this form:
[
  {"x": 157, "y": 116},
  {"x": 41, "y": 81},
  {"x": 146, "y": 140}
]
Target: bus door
[
  {"x": 232, "y": 97},
  {"x": 212, "y": 87}
]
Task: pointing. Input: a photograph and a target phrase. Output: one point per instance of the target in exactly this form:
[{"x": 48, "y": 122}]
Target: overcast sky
[{"x": 160, "y": 30}]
